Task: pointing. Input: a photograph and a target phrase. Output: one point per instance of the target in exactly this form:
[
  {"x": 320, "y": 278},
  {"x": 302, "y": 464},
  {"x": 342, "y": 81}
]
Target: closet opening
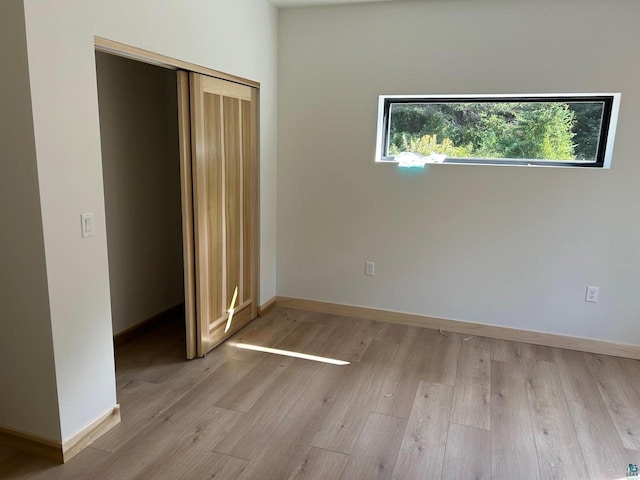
[
  {"x": 138, "y": 108},
  {"x": 181, "y": 187}
]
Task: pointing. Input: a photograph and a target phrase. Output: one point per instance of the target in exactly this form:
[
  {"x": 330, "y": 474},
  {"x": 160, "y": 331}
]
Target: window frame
[{"x": 605, "y": 140}]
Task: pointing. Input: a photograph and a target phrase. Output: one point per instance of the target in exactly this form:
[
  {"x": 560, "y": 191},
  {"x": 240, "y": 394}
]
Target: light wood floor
[{"x": 413, "y": 404}]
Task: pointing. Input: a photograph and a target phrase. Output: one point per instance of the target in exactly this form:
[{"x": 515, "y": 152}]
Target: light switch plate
[
  {"x": 369, "y": 268},
  {"x": 86, "y": 220}
]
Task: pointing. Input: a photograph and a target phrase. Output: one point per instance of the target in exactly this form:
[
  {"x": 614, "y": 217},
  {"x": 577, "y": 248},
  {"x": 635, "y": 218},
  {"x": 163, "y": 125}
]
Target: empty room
[{"x": 349, "y": 239}]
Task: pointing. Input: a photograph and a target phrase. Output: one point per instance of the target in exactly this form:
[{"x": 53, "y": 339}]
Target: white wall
[
  {"x": 509, "y": 246},
  {"x": 141, "y": 174},
  {"x": 235, "y": 36},
  {"x": 28, "y": 398}
]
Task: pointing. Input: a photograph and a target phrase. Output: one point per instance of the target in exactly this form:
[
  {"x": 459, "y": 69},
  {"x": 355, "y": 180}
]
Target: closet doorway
[{"x": 213, "y": 185}]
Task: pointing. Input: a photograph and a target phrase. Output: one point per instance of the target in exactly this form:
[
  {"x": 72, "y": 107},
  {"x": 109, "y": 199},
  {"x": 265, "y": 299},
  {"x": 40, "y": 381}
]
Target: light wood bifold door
[{"x": 224, "y": 172}]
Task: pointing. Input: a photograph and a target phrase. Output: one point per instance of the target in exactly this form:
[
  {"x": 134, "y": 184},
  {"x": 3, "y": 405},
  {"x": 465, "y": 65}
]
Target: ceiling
[{"x": 308, "y": 3}]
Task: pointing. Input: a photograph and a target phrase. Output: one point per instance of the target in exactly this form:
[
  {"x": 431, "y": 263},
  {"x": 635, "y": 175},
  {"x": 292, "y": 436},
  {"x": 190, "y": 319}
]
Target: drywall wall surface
[
  {"x": 28, "y": 401},
  {"x": 235, "y": 36},
  {"x": 511, "y": 246},
  {"x": 141, "y": 173}
]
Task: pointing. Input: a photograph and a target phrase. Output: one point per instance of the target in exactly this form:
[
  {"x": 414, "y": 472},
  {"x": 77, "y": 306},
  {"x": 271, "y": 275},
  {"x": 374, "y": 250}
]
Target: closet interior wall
[{"x": 141, "y": 170}]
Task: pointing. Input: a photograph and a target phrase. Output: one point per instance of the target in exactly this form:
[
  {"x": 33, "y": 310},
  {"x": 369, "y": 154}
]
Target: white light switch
[
  {"x": 87, "y": 225},
  {"x": 369, "y": 268}
]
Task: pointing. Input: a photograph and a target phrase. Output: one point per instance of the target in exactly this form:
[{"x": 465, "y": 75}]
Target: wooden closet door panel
[
  {"x": 213, "y": 249},
  {"x": 249, "y": 190},
  {"x": 186, "y": 193},
  {"x": 225, "y": 206},
  {"x": 233, "y": 195}
]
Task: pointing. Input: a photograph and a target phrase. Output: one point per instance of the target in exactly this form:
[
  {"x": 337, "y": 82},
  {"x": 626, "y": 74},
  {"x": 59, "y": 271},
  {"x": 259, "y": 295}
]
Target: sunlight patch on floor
[{"x": 277, "y": 351}]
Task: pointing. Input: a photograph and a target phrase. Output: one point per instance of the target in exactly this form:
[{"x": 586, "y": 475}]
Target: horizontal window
[{"x": 567, "y": 130}]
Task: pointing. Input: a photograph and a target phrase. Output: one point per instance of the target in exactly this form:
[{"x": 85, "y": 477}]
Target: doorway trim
[{"x": 147, "y": 56}]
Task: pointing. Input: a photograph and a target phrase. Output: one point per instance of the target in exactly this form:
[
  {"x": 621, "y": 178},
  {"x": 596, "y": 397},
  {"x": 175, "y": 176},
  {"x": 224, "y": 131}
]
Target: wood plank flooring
[{"x": 413, "y": 404}]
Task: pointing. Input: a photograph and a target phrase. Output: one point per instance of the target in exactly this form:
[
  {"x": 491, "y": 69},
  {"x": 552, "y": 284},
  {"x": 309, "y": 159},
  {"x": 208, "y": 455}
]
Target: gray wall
[
  {"x": 141, "y": 172},
  {"x": 28, "y": 401},
  {"x": 510, "y": 246}
]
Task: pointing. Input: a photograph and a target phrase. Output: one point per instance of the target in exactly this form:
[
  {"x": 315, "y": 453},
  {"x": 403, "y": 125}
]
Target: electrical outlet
[
  {"x": 592, "y": 294},
  {"x": 369, "y": 268}
]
